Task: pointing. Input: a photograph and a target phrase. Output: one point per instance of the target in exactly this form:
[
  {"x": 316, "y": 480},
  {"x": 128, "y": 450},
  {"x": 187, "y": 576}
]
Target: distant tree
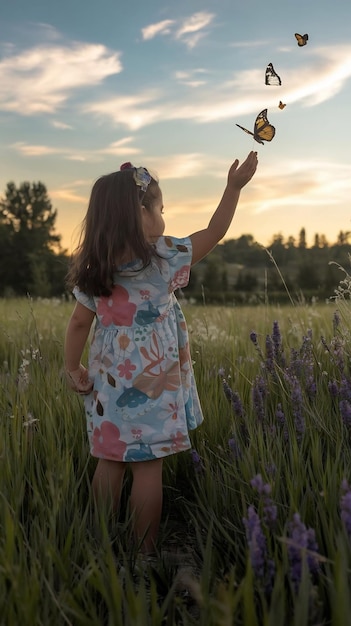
[
  {"x": 343, "y": 238},
  {"x": 302, "y": 239},
  {"x": 27, "y": 221}
]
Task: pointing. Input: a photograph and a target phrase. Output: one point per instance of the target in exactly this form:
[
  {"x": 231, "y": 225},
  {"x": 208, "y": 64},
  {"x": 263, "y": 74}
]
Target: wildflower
[
  {"x": 269, "y": 354},
  {"x": 303, "y": 541},
  {"x": 234, "y": 399},
  {"x": 277, "y": 342},
  {"x": 345, "y": 506},
  {"x": 333, "y": 388},
  {"x": 269, "y": 508},
  {"x": 256, "y": 541},
  {"x": 345, "y": 411},
  {"x": 234, "y": 448},
  {"x": 259, "y": 393},
  {"x": 297, "y": 406},
  {"x": 197, "y": 461}
]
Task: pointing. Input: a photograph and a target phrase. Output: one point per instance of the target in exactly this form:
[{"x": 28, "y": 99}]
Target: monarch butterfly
[
  {"x": 301, "y": 39},
  {"x": 263, "y": 130},
  {"x": 272, "y": 77},
  {"x": 281, "y": 105}
]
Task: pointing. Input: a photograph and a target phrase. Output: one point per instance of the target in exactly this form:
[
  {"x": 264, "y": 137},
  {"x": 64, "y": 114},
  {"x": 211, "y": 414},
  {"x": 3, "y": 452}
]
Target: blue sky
[{"x": 85, "y": 86}]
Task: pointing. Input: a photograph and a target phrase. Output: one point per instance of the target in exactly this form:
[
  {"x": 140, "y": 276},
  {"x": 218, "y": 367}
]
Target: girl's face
[{"x": 153, "y": 222}]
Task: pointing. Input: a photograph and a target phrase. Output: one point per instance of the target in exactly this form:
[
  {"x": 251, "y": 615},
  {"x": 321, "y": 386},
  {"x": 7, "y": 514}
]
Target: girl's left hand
[{"x": 79, "y": 381}]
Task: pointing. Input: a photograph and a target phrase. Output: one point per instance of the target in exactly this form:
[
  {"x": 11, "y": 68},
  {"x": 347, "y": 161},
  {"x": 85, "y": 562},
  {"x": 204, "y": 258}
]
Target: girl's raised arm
[{"x": 203, "y": 241}]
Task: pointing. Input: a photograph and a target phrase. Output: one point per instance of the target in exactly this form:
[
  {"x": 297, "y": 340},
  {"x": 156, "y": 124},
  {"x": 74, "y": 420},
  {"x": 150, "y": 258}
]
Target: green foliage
[{"x": 28, "y": 243}]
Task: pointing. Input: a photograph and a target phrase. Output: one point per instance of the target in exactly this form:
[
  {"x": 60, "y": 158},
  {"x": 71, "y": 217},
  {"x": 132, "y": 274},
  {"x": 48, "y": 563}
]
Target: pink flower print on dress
[
  {"x": 145, "y": 294},
  {"x": 125, "y": 369},
  {"x": 179, "y": 442},
  {"x": 106, "y": 443},
  {"x": 116, "y": 308},
  {"x": 180, "y": 278},
  {"x": 136, "y": 432}
]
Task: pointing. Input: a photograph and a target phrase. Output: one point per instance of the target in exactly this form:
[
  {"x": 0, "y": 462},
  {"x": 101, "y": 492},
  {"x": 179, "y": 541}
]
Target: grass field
[{"x": 258, "y": 514}]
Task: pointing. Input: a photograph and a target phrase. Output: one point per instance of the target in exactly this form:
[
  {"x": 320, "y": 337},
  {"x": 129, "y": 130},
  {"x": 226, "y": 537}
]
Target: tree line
[{"x": 33, "y": 262}]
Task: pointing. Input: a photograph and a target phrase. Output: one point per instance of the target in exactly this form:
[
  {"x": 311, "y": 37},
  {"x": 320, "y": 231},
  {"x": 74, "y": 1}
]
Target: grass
[{"x": 285, "y": 417}]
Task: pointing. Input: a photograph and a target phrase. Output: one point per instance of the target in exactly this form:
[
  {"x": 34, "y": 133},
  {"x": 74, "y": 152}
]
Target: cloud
[
  {"x": 40, "y": 79},
  {"x": 130, "y": 111},
  {"x": 181, "y": 165},
  {"x": 160, "y": 28},
  {"x": 121, "y": 147},
  {"x": 189, "y": 31},
  {"x": 61, "y": 125},
  {"x": 67, "y": 195},
  {"x": 34, "y": 150}
]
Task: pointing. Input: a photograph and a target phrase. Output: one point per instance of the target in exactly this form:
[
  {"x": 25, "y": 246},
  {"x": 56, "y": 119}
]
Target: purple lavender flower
[
  {"x": 234, "y": 399},
  {"x": 277, "y": 342},
  {"x": 345, "y": 411},
  {"x": 333, "y": 388},
  {"x": 297, "y": 405},
  {"x": 345, "y": 506},
  {"x": 197, "y": 461},
  {"x": 234, "y": 448},
  {"x": 268, "y": 507},
  {"x": 256, "y": 541},
  {"x": 269, "y": 354},
  {"x": 263, "y": 567},
  {"x": 253, "y": 337},
  {"x": 303, "y": 542},
  {"x": 259, "y": 393}
]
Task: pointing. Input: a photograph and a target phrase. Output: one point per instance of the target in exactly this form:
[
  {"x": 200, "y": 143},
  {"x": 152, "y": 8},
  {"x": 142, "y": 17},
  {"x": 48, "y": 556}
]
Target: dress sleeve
[
  {"x": 82, "y": 298},
  {"x": 178, "y": 254}
]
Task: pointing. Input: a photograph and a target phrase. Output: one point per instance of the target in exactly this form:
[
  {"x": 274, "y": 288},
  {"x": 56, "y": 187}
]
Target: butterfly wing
[
  {"x": 301, "y": 39},
  {"x": 281, "y": 105},
  {"x": 245, "y": 129},
  {"x": 263, "y": 130},
  {"x": 271, "y": 76}
]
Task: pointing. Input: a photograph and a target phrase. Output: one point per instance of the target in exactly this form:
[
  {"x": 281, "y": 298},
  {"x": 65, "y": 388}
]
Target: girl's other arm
[
  {"x": 205, "y": 240},
  {"x": 77, "y": 333}
]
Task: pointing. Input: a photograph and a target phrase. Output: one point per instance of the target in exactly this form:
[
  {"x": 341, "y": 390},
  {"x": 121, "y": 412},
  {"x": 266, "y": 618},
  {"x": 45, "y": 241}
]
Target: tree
[{"x": 27, "y": 222}]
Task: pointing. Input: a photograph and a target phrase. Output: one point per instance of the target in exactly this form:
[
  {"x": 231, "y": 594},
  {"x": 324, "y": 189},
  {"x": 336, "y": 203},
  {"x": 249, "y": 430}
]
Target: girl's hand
[
  {"x": 238, "y": 177},
  {"x": 79, "y": 381}
]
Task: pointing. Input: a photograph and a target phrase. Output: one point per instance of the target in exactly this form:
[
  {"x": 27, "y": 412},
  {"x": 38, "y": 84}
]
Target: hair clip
[{"x": 141, "y": 176}]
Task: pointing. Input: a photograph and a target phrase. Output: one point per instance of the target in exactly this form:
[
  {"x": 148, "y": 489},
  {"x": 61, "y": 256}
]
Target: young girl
[{"x": 140, "y": 394}]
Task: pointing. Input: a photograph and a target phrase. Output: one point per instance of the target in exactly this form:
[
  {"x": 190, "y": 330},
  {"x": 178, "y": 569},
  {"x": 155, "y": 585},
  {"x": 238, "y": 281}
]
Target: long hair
[{"x": 112, "y": 226}]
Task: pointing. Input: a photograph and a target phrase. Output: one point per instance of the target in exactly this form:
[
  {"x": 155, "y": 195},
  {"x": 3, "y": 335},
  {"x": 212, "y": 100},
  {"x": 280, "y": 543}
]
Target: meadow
[{"x": 257, "y": 515}]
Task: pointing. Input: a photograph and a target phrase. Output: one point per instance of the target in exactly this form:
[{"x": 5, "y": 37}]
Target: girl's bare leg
[
  {"x": 146, "y": 502},
  {"x": 108, "y": 482}
]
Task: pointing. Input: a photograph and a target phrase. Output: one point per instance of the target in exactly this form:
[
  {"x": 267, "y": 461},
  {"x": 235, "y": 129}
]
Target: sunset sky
[{"x": 85, "y": 86}]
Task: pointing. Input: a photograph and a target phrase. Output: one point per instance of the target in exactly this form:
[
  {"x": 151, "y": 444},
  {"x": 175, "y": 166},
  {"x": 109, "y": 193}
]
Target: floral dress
[{"x": 144, "y": 400}]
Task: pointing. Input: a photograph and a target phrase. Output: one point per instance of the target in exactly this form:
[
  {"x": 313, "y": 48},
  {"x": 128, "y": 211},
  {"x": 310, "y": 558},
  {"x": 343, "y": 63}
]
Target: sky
[{"x": 86, "y": 86}]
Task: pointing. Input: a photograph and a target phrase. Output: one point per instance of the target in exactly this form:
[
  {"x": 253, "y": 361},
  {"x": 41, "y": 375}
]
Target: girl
[{"x": 140, "y": 394}]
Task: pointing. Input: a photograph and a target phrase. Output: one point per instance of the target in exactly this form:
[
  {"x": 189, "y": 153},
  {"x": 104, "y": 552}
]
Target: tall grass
[{"x": 260, "y": 511}]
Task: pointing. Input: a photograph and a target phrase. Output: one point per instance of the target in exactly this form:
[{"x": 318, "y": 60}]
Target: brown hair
[{"x": 112, "y": 226}]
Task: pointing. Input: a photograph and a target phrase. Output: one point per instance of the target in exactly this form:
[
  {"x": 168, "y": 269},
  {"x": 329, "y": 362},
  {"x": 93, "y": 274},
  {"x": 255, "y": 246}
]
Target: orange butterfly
[
  {"x": 263, "y": 130},
  {"x": 281, "y": 105},
  {"x": 301, "y": 39}
]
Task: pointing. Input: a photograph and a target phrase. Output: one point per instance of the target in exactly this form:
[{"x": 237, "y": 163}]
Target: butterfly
[
  {"x": 263, "y": 130},
  {"x": 301, "y": 39},
  {"x": 281, "y": 105},
  {"x": 272, "y": 77}
]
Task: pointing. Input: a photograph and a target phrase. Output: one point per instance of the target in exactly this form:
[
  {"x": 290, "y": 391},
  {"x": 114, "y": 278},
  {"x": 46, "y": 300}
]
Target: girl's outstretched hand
[
  {"x": 238, "y": 177},
  {"x": 79, "y": 381}
]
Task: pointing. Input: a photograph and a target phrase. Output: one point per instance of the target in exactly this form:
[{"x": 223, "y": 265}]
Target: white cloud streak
[
  {"x": 189, "y": 30},
  {"x": 41, "y": 79},
  {"x": 160, "y": 28}
]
